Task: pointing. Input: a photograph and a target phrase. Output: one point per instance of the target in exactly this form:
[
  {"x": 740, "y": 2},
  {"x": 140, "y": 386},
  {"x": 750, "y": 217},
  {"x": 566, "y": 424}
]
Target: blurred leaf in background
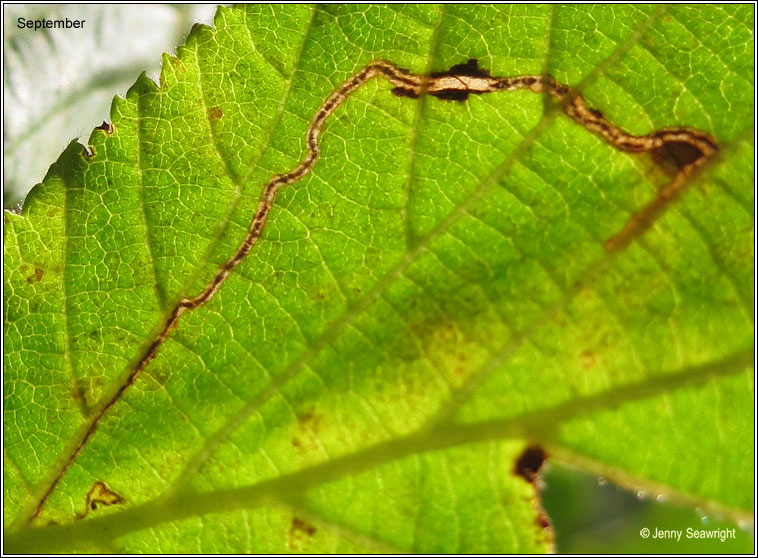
[
  {"x": 591, "y": 515},
  {"x": 59, "y": 83}
]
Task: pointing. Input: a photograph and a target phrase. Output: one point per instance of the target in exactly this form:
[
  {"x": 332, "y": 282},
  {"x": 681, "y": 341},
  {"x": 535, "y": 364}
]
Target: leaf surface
[{"x": 429, "y": 301}]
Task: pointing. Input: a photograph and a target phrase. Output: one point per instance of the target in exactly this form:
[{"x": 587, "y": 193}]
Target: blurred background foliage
[{"x": 593, "y": 516}]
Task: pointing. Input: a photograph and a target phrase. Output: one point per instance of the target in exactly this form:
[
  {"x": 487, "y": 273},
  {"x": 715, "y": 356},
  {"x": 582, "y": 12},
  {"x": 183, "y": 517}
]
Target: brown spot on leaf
[
  {"x": 544, "y": 526},
  {"x": 528, "y": 466},
  {"x": 98, "y": 495},
  {"x": 587, "y": 360},
  {"x": 673, "y": 156},
  {"x": 529, "y": 463},
  {"x": 214, "y": 113},
  {"x": 300, "y": 525},
  {"x": 543, "y": 521},
  {"x": 175, "y": 61},
  {"x": 305, "y": 438},
  {"x": 107, "y": 127},
  {"x": 300, "y": 532},
  {"x": 306, "y": 417},
  {"x": 36, "y": 275}
]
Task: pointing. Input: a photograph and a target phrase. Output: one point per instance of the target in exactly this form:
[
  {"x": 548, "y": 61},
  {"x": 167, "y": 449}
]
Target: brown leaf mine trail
[{"x": 686, "y": 148}]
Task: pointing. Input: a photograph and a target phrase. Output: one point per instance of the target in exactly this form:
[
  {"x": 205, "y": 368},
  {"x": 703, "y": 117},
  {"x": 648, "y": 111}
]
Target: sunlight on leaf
[{"x": 430, "y": 302}]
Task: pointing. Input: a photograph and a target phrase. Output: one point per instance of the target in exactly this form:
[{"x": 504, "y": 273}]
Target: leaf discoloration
[
  {"x": 215, "y": 113},
  {"x": 300, "y": 532},
  {"x": 457, "y": 83},
  {"x": 100, "y": 495},
  {"x": 529, "y": 463},
  {"x": 36, "y": 275}
]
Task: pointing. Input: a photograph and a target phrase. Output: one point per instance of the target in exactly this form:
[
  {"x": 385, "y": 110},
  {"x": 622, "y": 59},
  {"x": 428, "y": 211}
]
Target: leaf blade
[{"x": 490, "y": 269}]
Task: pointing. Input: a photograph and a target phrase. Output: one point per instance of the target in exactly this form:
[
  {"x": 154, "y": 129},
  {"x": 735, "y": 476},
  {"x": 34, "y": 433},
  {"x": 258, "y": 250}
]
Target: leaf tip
[{"x": 142, "y": 86}]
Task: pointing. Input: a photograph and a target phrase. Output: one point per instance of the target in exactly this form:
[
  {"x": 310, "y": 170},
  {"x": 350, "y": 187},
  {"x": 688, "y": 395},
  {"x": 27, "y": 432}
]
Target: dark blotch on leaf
[
  {"x": 676, "y": 154},
  {"x": 107, "y": 127},
  {"x": 402, "y": 92},
  {"x": 470, "y": 68},
  {"x": 453, "y": 95},
  {"x": 36, "y": 275},
  {"x": 306, "y": 416},
  {"x": 529, "y": 463},
  {"x": 298, "y": 525},
  {"x": 99, "y": 494},
  {"x": 300, "y": 531}
]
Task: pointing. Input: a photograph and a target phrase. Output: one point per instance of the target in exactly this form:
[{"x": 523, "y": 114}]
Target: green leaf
[{"x": 431, "y": 302}]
